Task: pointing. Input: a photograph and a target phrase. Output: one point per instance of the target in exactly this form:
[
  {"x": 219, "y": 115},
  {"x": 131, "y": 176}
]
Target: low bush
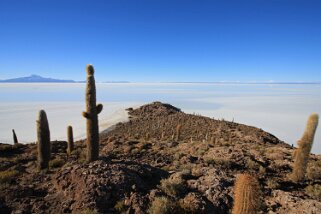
[
  {"x": 314, "y": 170},
  {"x": 56, "y": 163},
  {"x": 7, "y": 176},
  {"x": 120, "y": 206},
  {"x": 314, "y": 191},
  {"x": 163, "y": 205},
  {"x": 173, "y": 187}
]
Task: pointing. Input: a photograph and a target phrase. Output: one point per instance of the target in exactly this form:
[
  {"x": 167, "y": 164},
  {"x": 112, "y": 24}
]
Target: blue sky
[{"x": 162, "y": 40}]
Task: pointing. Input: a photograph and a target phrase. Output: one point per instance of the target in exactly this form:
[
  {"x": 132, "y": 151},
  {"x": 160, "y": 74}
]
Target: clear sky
[{"x": 162, "y": 40}]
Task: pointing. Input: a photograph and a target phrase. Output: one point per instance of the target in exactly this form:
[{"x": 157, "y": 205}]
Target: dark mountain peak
[{"x": 34, "y": 78}]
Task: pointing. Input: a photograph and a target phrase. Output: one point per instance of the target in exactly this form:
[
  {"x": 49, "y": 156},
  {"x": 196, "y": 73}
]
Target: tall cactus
[
  {"x": 91, "y": 115},
  {"x": 70, "y": 140},
  {"x": 43, "y": 141},
  {"x": 302, "y": 153},
  {"x": 247, "y": 195},
  {"x": 15, "y": 139}
]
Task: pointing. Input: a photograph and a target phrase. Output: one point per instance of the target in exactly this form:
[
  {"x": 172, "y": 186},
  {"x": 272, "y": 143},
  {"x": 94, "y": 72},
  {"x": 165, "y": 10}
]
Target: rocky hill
[{"x": 161, "y": 161}]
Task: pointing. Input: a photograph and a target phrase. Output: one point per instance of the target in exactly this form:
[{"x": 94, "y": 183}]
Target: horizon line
[{"x": 185, "y": 82}]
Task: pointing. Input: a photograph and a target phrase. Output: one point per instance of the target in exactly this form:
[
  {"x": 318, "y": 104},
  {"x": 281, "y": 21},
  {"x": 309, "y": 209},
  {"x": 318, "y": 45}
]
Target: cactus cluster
[
  {"x": 91, "y": 115},
  {"x": 43, "y": 133},
  {"x": 302, "y": 153}
]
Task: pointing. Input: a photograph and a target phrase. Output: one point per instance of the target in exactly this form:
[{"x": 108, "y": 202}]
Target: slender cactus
[
  {"x": 70, "y": 140},
  {"x": 15, "y": 139},
  {"x": 43, "y": 141},
  {"x": 178, "y": 131},
  {"x": 301, "y": 155},
  {"x": 91, "y": 115},
  {"x": 247, "y": 195}
]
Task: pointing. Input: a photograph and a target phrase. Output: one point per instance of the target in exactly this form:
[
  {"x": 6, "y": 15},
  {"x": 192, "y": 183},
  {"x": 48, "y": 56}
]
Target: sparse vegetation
[
  {"x": 219, "y": 161},
  {"x": 274, "y": 154},
  {"x": 9, "y": 149},
  {"x": 56, "y": 163},
  {"x": 120, "y": 206},
  {"x": 163, "y": 205},
  {"x": 272, "y": 183},
  {"x": 7, "y": 176},
  {"x": 314, "y": 170},
  {"x": 314, "y": 191},
  {"x": 252, "y": 165},
  {"x": 89, "y": 211},
  {"x": 173, "y": 187}
]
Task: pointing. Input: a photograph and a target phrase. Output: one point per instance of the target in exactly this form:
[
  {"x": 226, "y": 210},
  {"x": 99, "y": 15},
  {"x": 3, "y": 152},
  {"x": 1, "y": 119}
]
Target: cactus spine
[
  {"x": 43, "y": 141},
  {"x": 301, "y": 155},
  {"x": 91, "y": 115},
  {"x": 70, "y": 140},
  {"x": 247, "y": 195},
  {"x": 15, "y": 139}
]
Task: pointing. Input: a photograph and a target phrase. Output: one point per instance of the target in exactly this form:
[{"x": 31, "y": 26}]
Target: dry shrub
[
  {"x": 262, "y": 171},
  {"x": 221, "y": 161},
  {"x": 135, "y": 151},
  {"x": 173, "y": 187},
  {"x": 196, "y": 171},
  {"x": 314, "y": 170},
  {"x": 314, "y": 191},
  {"x": 89, "y": 211},
  {"x": 7, "y": 150},
  {"x": 193, "y": 203},
  {"x": 275, "y": 155},
  {"x": 7, "y": 176},
  {"x": 56, "y": 163},
  {"x": 80, "y": 153},
  {"x": 163, "y": 205},
  {"x": 272, "y": 183},
  {"x": 251, "y": 164},
  {"x": 120, "y": 206}
]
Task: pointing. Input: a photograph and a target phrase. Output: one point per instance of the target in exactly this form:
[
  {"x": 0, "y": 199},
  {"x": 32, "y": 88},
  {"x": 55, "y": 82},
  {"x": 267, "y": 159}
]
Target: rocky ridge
[{"x": 160, "y": 161}]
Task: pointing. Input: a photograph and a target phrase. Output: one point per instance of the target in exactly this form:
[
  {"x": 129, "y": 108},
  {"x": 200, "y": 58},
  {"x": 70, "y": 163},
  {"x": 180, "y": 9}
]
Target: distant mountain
[{"x": 36, "y": 78}]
